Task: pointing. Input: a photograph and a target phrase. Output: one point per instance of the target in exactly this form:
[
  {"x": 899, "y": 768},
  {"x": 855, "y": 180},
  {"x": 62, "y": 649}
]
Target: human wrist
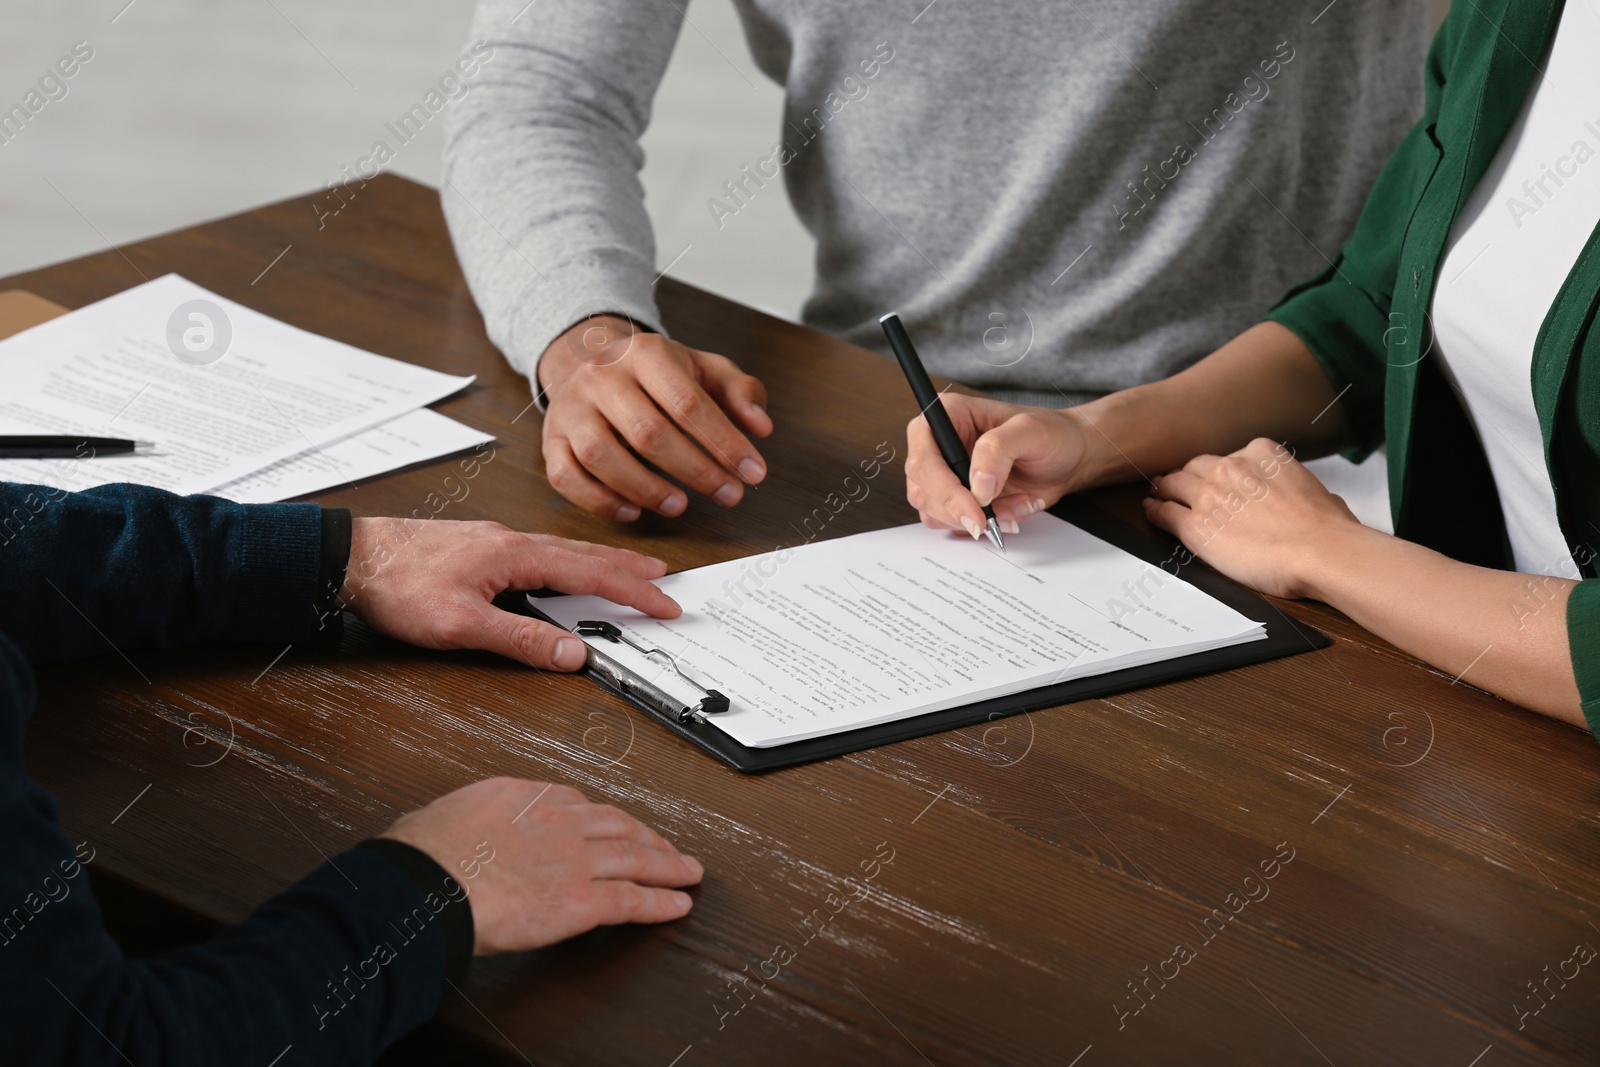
[
  {"x": 1102, "y": 462},
  {"x": 548, "y": 359},
  {"x": 365, "y": 537},
  {"x": 592, "y": 333},
  {"x": 1137, "y": 433},
  {"x": 1337, "y": 556}
]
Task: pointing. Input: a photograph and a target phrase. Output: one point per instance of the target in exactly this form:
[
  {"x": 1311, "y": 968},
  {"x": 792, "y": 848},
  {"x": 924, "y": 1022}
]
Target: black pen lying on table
[
  {"x": 944, "y": 431},
  {"x": 66, "y": 446}
]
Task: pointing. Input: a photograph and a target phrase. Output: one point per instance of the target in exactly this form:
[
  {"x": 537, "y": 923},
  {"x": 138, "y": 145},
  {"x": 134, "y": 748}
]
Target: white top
[{"x": 1509, "y": 253}]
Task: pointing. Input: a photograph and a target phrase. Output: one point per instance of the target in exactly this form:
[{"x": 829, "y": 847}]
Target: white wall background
[{"x": 191, "y": 109}]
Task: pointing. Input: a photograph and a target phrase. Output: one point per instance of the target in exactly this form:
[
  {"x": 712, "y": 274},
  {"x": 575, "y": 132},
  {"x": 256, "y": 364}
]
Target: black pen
[
  {"x": 66, "y": 446},
  {"x": 944, "y": 432}
]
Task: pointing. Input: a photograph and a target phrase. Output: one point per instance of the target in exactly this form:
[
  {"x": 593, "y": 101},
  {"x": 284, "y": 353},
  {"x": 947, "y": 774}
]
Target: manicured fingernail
[
  {"x": 1039, "y": 503},
  {"x": 1009, "y": 526},
  {"x": 627, "y": 512},
  {"x": 683, "y": 900},
  {"x": 751, "y": 471},
  {"x": 983, "y": 488},
  {"x": 693, "y": 866},
  {"x": 728, "y": 495},
  {"x": 569, "y": 654},
  {"x": 759, "y": 410},
  {"x": 674, "y": 504},
  {"x": 971, "y": 526}
]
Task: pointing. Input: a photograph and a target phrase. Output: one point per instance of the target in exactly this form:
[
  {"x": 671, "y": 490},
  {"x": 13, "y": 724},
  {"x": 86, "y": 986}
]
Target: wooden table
[{"x": 1445, "y": 845}]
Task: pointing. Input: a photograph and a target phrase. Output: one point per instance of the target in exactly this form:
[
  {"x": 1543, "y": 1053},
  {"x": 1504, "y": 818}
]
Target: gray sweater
[{"x": 1060, "y": 198}]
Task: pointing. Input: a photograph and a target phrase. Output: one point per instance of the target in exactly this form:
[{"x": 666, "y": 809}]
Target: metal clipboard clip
[{"x": 630, "y": 682}]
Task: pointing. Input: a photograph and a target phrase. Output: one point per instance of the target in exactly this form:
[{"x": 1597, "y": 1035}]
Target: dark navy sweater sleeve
[
  {"x": 126, "y": 565},
  {"x": 330, "y": 971}
]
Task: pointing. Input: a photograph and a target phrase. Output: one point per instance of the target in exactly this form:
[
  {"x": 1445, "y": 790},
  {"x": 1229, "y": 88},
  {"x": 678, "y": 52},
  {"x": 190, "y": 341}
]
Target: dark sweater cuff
[
  {"x": 334, "y": 561},
  {"x": 446, "y": 896},
  {"x": 277, "y": 548}
]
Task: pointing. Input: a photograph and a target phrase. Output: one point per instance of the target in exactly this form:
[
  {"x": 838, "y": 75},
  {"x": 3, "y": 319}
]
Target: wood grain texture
[{"x": 1446, "y": 845}]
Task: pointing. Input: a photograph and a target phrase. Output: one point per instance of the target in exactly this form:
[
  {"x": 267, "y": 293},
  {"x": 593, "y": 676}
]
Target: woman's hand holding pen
[
  {"x": 1024, "y": 459},
  {"x": 1285, "y": 532},
  {"x": 1263, "y": 383}
]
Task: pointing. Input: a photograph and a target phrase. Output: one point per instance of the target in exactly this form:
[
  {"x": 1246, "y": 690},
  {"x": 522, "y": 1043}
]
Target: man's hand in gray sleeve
[
  {"x": 547, "y": 215},
  {"x": 619, "y": 396}
]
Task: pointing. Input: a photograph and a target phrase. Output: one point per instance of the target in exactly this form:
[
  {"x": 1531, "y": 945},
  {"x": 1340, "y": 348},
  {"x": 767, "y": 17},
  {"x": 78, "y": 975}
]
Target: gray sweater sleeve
[{"x": 541, "y": 165}]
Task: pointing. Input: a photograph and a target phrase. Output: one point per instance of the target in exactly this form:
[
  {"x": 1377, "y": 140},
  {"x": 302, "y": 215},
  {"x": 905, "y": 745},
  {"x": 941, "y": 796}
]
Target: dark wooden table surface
[{"x": 1045, "y": 870}]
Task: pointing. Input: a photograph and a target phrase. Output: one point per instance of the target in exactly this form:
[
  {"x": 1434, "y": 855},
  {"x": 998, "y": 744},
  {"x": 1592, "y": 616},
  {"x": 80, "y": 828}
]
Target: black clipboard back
[{"x": 1285, "y": 637}]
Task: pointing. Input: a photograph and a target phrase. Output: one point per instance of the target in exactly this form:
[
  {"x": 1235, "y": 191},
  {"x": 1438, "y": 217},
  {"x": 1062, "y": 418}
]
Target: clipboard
[{"x": 673, "y": 698}]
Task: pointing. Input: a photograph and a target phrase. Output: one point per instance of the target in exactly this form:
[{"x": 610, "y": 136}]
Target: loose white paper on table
[
  {"x": 411, "y": 438},
  {"x": 109, "y": 370},
  {"x": 841, "y": 634}
]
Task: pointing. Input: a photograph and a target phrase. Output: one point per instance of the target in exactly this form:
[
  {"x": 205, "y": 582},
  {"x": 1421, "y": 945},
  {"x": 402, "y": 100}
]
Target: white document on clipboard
[{"x": 833, "y": 636}]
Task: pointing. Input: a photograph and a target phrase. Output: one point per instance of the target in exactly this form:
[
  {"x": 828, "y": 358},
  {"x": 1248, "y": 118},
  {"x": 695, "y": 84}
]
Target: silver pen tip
[{"x": 993, "y": 529}]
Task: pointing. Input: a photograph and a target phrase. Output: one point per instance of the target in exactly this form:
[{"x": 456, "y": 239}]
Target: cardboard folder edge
[{"x": 20, "y": 310}]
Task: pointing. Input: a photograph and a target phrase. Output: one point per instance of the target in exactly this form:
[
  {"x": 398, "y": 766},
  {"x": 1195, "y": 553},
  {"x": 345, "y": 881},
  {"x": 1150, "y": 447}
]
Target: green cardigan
[{"x": 1366, "y": 320}]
